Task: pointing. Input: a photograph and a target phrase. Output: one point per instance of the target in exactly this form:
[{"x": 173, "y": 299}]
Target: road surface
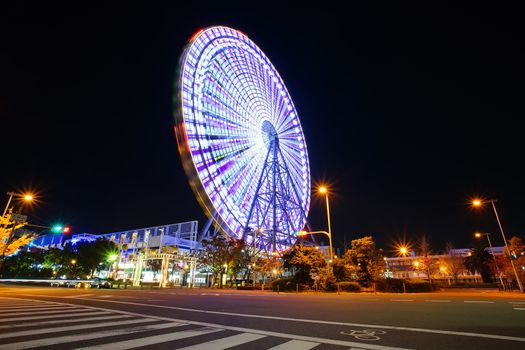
[{"x": 60, "y": 318}]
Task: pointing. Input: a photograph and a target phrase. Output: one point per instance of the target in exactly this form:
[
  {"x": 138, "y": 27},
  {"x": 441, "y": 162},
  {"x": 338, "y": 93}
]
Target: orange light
[
  {"x": 323, "y": 189},
  {"x": 477, "y": 234},
  {"x": 302, "y": 233},
  {"x": 28, "y": 197},
  {"x": 477, "y": 203}
]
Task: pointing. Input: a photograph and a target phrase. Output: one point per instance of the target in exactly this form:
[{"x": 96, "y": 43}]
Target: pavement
[{"x": 61, "y": 318}]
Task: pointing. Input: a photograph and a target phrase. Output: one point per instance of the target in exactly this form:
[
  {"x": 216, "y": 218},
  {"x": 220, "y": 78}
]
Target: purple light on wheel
[{"x": 231, "y": 101}]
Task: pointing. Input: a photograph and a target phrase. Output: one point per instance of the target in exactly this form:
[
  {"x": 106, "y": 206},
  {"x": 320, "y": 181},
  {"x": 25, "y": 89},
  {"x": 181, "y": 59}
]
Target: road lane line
[
  {"x": 345, "y": 343},
  {"x": 86, "y": 336},
  {"x": 16, "y": 319},
  {"x": 295, "y": 345},
  {"x": 398, "y": 328},
  {"x": 155, "y": 339},
  {"x": 519, "y": 308},
  {"x": 31, "y": 307},
  {"x": 63, "y": 310},
  {"x": 225, "y": 343},
  {"x": 34, "y": 309},
  {"x": 62, "y": 320},
  {"x": 478, "y": 301},
  {"x": 73, "y": 328}
]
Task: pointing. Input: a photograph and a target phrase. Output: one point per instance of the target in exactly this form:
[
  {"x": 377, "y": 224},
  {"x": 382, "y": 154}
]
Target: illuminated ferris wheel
[{"x": 241, "y": 141}]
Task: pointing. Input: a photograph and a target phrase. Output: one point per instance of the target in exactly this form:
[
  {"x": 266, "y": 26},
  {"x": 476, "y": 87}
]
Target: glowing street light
[
  {"x": 479, "y": 203},
  {"x": 403, "y": 251},
  {"x": 324, "y": 191}
]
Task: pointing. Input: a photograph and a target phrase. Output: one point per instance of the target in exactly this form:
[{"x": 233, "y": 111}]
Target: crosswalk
[{"x": 29, "y": 324}]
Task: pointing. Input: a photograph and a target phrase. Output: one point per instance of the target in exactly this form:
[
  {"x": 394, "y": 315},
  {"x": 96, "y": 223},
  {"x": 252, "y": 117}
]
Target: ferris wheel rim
[{"x": 185, "y": 149}]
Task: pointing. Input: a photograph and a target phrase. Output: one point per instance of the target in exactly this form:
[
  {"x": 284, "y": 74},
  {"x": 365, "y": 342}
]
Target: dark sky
[{"x": 408, "y": 110}]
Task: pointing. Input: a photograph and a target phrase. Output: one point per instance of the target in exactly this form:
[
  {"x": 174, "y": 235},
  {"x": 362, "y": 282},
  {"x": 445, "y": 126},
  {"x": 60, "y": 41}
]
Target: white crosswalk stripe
[
  {"x": 62, "y": 320},
  {"x": 84, "y": 336},
  {"x": 156, "y": 339},
  {"x": 295, "y": 345},
  {"x": 63, "y": 325},
  {"x": 17, "y": 319},
  {"x": 224, "y": 343}
]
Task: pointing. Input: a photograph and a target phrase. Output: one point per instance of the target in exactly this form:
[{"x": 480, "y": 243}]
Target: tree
[
  {"x": 454, "y": 262},
  {"x": 478, "y": 262},
  {"x": 89, "y": 255},
  {"x": 427, "y": 265},
  {"x": 364, "y": 260},
  {"x": 222, "y": 255},
  {"x": 517, "y": 254},
  {"x": 26, "y": 264},
  {"x": 306, "y": 262}
]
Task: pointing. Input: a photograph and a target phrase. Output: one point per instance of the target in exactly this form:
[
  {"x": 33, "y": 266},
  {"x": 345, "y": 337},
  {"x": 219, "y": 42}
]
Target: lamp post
[
  {"x": 4, "y": 222},
  {"x": 304, "y": 233},
  {"x": 323, "y": 190},
  {"x": 479, "y": 203},
  {"x": 478, "y": 235}
]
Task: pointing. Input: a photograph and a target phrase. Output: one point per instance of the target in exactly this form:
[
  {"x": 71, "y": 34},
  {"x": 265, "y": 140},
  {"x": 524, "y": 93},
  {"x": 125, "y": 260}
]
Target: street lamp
[
  {"x": 324, "y": 191},
  {"x": 478, "y": 235},
  {"x": 403, "y": 251},
  {"x": 27, "y": 197},
  {"x": 304, "y": 233},
  {"x": 479, "y": 203}
]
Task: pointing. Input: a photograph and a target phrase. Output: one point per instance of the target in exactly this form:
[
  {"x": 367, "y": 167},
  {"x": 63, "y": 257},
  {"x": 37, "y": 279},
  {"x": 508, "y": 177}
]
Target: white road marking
[
  {"x": 155, "y": 339},
  {"x": 517, "y": 302},
  {"x": 34, "y": 309},
  {"x": 78, "y": 296},
  {"x": 25, "y": 307},
  {"x": 438, "y": 301},
  {"x": 61, "y": 311},
  {"x": 322, "y": 340},
  {"x": 295, "y": 345},
  {"x": 225, "y": 343},
  {"x": 85, "y": 336},
  {"x": 62, "y": 320},
  {"x": 73, "y": 328},
  {"x": 17, "y": 319},
  {"x": 478, "y": 301},
  {"x": 237, "y": 329},
  {"x": 519, "y": 308}
]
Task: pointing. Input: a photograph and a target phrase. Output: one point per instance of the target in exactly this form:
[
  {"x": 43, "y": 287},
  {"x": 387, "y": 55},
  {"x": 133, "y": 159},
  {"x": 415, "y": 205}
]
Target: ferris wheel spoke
[{"x": 242, "y": 134}]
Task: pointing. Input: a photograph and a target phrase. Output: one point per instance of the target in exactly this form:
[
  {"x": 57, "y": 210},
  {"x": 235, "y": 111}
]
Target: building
[{"x": 160, "y": 255}]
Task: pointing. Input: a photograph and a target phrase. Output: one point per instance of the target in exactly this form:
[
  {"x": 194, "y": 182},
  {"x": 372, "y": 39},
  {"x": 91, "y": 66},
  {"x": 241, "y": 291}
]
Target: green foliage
[
  {"x": 395, "y": 285},
  {"x": 26, "y": 264},
  {"x": 478, "y": 262},
  {"x": 307, "y": 262},
  {"x": 289, "y": 284},
  {"x": 364, "y": 261},
  {"x": 223, "y": 255},
  {"x": 349, "y": 286}
]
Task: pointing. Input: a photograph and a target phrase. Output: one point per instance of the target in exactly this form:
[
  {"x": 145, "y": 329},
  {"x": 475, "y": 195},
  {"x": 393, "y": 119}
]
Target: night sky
[{"x": 408, "y": 111}]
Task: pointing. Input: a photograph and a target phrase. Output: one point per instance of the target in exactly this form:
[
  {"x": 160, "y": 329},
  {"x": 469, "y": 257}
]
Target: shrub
[
  {"x": 288, "y": 284},
  {"x": 348, "y": 286}
]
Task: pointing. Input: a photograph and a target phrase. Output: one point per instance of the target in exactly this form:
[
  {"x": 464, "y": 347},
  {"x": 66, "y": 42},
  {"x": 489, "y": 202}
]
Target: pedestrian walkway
[{"x": 29, "y": 324}]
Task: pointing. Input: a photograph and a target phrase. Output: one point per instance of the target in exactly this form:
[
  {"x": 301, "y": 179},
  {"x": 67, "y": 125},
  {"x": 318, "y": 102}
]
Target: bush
[
  {"x": 248, "y": 288},
  {"x": 395, "y": 285},
  {"x": 348, "y": 286},
  {"x": 288, "y": 284}
]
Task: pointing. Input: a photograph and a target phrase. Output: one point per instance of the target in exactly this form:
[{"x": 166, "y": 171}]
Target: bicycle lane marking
[
  {"x": 344, "y": 324},
  {"x": 348, "y": 344}
]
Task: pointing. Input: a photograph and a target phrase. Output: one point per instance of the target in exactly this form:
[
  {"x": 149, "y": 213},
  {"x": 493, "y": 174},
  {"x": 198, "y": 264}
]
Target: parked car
[{"x": 100, "y": 283}]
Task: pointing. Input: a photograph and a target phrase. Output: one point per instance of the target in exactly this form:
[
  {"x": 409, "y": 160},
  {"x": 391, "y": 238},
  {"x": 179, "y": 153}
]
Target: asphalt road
[{"x": 61, "y": 318}]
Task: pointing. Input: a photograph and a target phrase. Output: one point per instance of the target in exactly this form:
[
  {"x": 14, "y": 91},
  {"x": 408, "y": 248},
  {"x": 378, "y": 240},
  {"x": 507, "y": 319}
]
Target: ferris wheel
[{"x": 240, "y": 140}]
